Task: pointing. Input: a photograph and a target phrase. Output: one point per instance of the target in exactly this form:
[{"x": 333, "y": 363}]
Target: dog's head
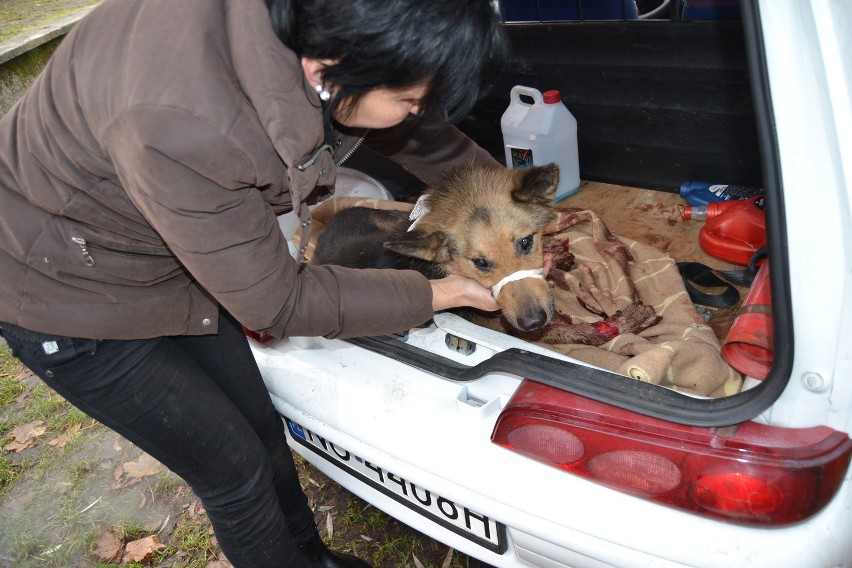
[{"x": 486, "y": 224}]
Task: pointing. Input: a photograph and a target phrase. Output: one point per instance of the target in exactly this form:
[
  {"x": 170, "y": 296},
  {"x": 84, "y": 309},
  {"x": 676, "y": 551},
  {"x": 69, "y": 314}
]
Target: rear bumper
[{"x": 434, "y": 434}]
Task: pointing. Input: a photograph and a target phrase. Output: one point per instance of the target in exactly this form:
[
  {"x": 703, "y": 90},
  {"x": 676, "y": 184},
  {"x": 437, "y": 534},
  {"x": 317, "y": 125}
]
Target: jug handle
[{"x": 519, "y": 90}]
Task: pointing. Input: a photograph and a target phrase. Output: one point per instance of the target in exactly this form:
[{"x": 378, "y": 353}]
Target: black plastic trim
[{"x": 603, "y": 386}]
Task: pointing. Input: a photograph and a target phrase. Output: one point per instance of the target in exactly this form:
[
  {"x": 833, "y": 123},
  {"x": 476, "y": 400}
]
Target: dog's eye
[
  {"x": 525, "y": 245},
  {"x": 481, "y": 264}
]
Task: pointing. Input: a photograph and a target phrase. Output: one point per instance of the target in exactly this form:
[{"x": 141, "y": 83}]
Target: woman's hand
[{"x": 456, "y": 291}]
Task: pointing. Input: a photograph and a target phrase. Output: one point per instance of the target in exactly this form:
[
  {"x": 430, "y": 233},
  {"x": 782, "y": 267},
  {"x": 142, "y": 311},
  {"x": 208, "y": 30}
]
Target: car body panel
[{"x": 433, "y": 433}]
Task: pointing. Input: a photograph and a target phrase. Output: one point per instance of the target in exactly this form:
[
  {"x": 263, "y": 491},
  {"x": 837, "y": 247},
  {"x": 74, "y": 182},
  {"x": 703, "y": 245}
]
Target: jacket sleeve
[
  {"x": 195, "y": 187},
  {"x": 428, "y": 150}
]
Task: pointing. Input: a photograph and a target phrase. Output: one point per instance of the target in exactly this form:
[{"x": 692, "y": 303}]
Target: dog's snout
[{"x": 532, "y": 319}]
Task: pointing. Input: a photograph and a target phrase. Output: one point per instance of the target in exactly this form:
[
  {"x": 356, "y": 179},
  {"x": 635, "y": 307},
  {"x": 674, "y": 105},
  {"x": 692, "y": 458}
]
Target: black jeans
[{"x": 198, "y": 405}]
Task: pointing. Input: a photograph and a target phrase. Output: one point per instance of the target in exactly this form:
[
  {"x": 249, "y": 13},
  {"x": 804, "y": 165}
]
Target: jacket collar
[
  {"x": 271, "y": 76},
  {"x": 290, "y": 112}
]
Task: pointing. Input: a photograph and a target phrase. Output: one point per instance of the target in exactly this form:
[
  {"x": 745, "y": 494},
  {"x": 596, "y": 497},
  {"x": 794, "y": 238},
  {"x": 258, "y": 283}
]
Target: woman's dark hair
[{"x": 456, "y": 46}]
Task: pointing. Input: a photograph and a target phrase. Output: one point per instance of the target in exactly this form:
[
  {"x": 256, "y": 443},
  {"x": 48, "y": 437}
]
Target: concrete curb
[{"x": 32, "y": 39}]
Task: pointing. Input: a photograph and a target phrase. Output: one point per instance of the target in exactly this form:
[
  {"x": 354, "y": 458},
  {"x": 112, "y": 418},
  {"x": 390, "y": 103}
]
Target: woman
[{"x": 140, "y": 178}]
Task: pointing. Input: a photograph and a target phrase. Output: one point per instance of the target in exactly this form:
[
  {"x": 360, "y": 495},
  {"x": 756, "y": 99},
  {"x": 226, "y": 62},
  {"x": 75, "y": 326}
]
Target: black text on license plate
[{"x": 457, "y": 518}]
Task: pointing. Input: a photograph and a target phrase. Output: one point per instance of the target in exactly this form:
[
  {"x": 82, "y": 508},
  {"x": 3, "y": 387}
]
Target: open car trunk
[
  {"x": 657, "y": 103},
  {"x": 520, "y": 455}
]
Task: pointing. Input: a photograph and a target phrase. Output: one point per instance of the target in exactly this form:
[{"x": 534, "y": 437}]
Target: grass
[
  {"x": 367, "y": 517},
  {"x": 53, "y": 410},
  {"x": 195, "y": 542},
  {"x": 10, "y": 369},
  {"x": 45, "y": 489},
  {"x": 20, "y": 16},
  {"x": 53, "y": 528}
]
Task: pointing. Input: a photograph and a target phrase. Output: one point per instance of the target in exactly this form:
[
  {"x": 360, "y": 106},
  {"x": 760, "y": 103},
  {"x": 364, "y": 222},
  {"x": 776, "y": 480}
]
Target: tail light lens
[
  {"x": 259, "y": 336},
  {"x": 751, "y": 474}
]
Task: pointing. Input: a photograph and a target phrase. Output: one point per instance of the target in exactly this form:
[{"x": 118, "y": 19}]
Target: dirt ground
[
  {"x": 81, "y": 496},
  {"x": 72, "y": 491}
]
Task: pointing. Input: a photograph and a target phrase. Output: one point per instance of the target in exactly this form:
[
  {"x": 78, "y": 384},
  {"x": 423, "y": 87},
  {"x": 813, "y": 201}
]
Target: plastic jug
[
  {"x": 541, "y": 133},
  {"x": 701, "y": 192}
]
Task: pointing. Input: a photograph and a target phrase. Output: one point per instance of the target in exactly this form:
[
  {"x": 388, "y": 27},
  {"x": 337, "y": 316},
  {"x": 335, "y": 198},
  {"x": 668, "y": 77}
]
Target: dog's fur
[{"x": 483, "y": 223}]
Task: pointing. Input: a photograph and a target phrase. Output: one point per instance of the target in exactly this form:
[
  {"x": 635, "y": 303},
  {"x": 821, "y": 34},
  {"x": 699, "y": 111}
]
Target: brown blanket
[
  {"x": 610, "y": 272},
  {"x": 680, "y": 352}
]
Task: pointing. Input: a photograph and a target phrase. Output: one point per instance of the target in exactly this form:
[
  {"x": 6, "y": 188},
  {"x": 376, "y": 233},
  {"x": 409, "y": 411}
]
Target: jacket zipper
[
  {"x": 353, "y": 149},
  {"x": 87, "y": 257}
]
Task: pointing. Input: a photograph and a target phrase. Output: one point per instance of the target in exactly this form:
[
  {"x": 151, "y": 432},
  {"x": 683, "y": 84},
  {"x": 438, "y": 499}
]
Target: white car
[{"x": 520, "y": 457}]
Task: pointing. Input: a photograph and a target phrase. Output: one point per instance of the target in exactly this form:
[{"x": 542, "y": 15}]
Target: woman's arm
[{"x": 427, "y": 151}]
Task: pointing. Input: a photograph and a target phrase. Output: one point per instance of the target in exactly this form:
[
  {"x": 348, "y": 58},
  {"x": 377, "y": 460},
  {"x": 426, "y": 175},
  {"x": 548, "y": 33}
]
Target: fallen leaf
[
  {"x": 218, "y": 564},
  {"x": 417, "y": 562},
  {"x": 142, "y": 502},
  {"x": 329, "y": 525},
  {"x": 65, "y": 437},
  {"x": 144, "y": 466},
  {"x": 25, "y": 436},
  {"x": 108, "y": 547},
  {"x": 141, "y": 550}
]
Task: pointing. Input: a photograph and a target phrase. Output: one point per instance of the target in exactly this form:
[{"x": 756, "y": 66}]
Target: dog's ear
[
  {"x": 431, "y": 247},
  {"x": 536, "y": 184}
]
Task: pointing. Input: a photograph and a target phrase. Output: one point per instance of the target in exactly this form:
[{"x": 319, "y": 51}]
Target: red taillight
[
  {"x": 737, "y": 494},
  {"x": 258, "y": 336},
  {"x": 555, "y": 445},
  {"x": 645, "y": 472},
  {"x": 752, "y": 474}
]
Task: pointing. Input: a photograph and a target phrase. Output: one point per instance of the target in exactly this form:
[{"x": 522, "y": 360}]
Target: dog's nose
[{"x": 532, "y": 319}]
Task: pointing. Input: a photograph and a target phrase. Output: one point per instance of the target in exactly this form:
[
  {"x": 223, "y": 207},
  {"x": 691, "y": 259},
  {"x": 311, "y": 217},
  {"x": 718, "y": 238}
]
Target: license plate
[{"x": 463, "y": 521}]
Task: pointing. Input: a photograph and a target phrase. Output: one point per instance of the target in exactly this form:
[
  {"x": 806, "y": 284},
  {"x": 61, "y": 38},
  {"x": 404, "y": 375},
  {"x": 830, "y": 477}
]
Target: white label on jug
[{"x": 521, "y": 157}]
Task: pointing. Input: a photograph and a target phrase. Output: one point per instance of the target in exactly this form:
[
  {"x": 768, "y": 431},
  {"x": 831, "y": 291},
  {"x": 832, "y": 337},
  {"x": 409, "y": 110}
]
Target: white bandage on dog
[
  {"x": 420, "y": 209},
  {"x": 519, "y": 275}
]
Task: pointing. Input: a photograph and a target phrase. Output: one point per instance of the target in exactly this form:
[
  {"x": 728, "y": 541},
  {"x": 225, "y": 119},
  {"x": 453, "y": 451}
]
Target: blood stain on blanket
[{"x": 657, "y": 241}]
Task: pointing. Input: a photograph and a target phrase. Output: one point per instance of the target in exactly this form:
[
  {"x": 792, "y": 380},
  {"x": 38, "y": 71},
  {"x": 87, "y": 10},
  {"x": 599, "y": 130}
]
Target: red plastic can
[
  {"x": 748, "y": 345},
  {"x": 733, "y": 230}
]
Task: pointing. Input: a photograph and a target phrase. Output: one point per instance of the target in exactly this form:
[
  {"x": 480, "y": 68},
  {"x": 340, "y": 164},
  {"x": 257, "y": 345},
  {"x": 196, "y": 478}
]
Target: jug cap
[{"x": 551, "y": 97}]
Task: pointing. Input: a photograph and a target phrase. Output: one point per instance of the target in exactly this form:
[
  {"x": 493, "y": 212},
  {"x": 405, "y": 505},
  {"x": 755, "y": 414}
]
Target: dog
[{"x": 485, "y": 223}]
